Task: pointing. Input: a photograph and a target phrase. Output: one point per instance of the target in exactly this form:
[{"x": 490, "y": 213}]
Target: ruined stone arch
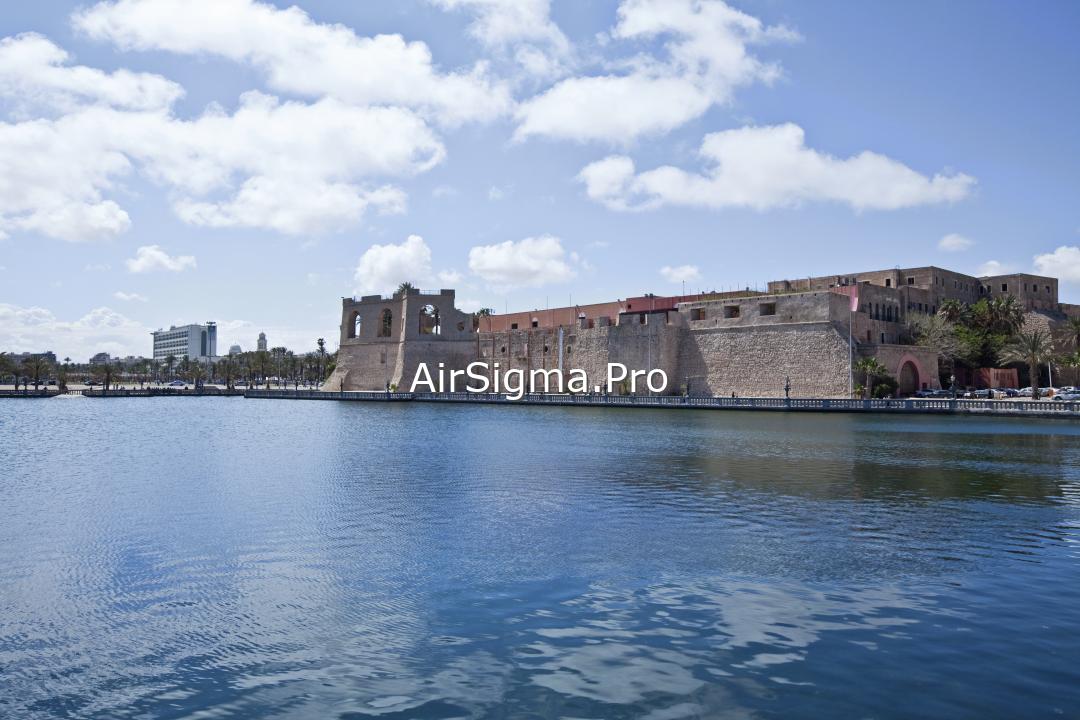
[{"x": 386, "y": 323}]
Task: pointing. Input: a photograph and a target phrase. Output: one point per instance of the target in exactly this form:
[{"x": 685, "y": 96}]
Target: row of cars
[{"x": 1064, "y": 394}]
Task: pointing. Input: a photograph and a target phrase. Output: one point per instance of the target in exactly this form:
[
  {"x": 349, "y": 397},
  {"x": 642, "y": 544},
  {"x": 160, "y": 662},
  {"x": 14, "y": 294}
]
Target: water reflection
[{"x": 189, "y": 558}]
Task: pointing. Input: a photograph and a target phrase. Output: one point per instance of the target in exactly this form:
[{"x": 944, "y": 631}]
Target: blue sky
[{"x": 165, "y": 162}]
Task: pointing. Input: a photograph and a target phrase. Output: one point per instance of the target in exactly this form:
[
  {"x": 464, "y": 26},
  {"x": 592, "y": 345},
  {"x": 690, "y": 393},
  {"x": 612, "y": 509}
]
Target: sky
[{"x": 174, "y": 161}]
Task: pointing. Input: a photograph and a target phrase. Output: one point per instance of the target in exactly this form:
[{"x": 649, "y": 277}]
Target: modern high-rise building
[
  {"x": 262, "y": 341},
  {"x": 195, "y": 341}
]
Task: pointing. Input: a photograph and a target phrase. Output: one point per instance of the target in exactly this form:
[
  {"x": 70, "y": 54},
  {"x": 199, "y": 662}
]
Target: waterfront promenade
[{"x": 916, "y": 406}]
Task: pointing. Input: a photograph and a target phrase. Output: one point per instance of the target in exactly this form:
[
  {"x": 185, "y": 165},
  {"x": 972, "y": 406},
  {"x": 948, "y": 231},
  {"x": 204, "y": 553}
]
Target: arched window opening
[
  {"x": 429, "y": 320},
  {"x": 352, "y": 326},
  {"x": 387, "y": 323}
]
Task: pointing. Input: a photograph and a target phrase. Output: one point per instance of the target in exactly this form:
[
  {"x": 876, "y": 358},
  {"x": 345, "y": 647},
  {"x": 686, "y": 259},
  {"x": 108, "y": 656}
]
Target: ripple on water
[{"x": 207, "y": 558}]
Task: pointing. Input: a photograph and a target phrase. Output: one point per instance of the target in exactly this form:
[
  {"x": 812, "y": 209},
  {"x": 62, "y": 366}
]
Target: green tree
[
  {"x": 107, "y": 373},
  {"x": 952, "y": 310},
  {"x": 170, "y": 362},
  {"x": 37, "y": 369},
  {"x": 320, "y": 353},
  {"x": 1034, "y": 348},
  {"x": 196, "y": 372},
  {"x": 8, "y": 367},
  {"x": 405, "y": 287},
  {"x": 871, "y": 369},
  {"x": 261, "y": 366},
  {"x": 226, "y": 370}
]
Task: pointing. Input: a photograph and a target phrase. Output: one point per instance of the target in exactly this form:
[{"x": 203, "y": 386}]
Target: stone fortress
[{"x": 804, "y": 332}]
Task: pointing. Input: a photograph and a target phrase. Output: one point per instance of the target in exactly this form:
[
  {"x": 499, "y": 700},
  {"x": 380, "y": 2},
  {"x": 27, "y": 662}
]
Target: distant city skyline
[{"x": 521, "y": 152}]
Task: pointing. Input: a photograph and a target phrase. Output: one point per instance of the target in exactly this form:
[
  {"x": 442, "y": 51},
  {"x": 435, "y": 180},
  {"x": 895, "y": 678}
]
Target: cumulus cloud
[
  {"x": 128, "y": 297},
  {"x": 287, "y": 166},
  {"x": 955, "y": 243},
  {"x": 34, "y": 71},
  {"x": 993, "y": 267},
  {"x": 707, "y": 57},
  {"x": 523, "y": 26},
  {"x": 768, "y": 167},
  {"x": 532, "y": 262},
  {"x": 383, "y": 267},
  {"x": 300, "y": 56},
  {"x": 152, "y": 257},
  {"x": 1062, "y": 263},
  {"x": 35, "y": 329},
  {"x": 680, "y": 273}
]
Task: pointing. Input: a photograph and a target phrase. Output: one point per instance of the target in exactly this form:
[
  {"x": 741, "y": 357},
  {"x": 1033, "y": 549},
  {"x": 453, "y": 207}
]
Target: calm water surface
[{"x": 229, "y": 558}]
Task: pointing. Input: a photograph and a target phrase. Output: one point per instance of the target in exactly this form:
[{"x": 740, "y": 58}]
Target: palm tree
[
  {"x": 953, "y": 310},
  {"x": 871, "y": 368},
  {"x": 1034, "y": 348},
  {"x": 404, "y": 288},
  {"x": 1073, "y": 325},
  {"x": 1009, "y": 314},
  {"x": 197, "y": 373},
  {"x": 8, "y": 367},
  {"x": 261, "y": 366},
  {"x": 170, "y": 361},
  {"x": 321, "y": 352},
  {"x": 107, "y": 373},
  {"x": 37, "y": 368},
  {"x": 226, "y": 370}
]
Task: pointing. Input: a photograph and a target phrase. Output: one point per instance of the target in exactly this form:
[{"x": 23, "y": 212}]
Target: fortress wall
[{"x": 754, "y": 361}]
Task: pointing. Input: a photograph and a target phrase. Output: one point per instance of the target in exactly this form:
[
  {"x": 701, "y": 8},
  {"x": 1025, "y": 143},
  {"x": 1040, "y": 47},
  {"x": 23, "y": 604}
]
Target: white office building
[{"x": 198, "y": 342}]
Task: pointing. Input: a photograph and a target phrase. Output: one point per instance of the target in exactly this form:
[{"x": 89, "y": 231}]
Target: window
[
  {"x": 503, "y": 350},
  {"x": 513, "y": 326},
  {"x": 911, "y": 281},
  {"x": 888, "y": 282},
  {"x": 382, "y": 357},
  {"x": 882, "y": 338},
  {"x": 429, "y": 321},
  {"x": 354, "y": 325},
  {"x": 767, "y": 309},
  {"x": 1004, "y": 287},
  {"x": 1047, "y": 289},
  {"x": 536, "y": 323},
  {"x": 387, "y": 323},
  {"x": 731, "y": 311},
  {"x": 697, "y": 314}
]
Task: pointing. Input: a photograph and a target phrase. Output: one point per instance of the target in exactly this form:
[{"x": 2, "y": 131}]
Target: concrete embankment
[{"x": 1004, "y": 408}]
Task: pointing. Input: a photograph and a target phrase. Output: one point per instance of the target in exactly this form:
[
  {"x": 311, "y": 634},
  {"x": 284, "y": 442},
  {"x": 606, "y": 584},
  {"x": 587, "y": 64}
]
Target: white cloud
[
  {"x": 128, "y": 297},
  {"x": 532, "y": 262},
  {"x": 767, "y": 167},
  {"x": 450, "y": 278},
  {"x": 33, "y": 71},
  {"x": 955, "y": 243},
  {"x": 299, "y": 55},
  {"x": 993, "y": 267},
  {"x": 525, "y": 26},
  {"x": 383, "y": 267},
  {"x": 153, "y": 257},
  {"x": 292, "y": 167},
  {"x": 707, "y": 58},
  {"x": 680, "y": 273},
  {"x": 35, "y": 329},
  {"x": 1063, "y": 263}
]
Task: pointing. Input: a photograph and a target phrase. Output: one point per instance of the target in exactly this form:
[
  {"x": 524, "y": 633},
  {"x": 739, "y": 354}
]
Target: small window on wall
[
  {"x": 697, "y": 314},
  {"x": 536, "y": 323},
  {"x": 882, "y": 338},
  {"x": 1004, "y": 287},
  {"x": 767, "y": 309},
  {"x": 911, "y": 281},
  {"x": 382, "y": 358},
  {"x": 513, "y": 326},
  {"x": 888, "y": 282},
  {"x": 731, "y": 311},
  {"x": 1047, "y": 289}
]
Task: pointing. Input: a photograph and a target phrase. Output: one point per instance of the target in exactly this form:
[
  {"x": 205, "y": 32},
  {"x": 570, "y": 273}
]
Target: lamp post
[{"x": 787, "y": 388}]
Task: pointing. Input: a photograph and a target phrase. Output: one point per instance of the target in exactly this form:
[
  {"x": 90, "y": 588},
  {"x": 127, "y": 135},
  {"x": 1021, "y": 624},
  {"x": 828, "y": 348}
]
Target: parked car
[
  {"x": 983, "y": 394},
  {"x": 177, "y": 384},
  {"x": 1006, "y": 392},
  {"x": 1067, "y": 396},
  {"x": 1024, "y": 392}
]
